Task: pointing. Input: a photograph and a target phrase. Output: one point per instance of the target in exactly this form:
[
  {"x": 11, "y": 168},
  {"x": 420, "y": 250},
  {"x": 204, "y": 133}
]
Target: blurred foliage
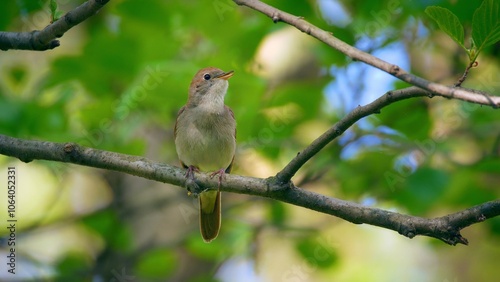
[
  {"x": 156, "y": 264},
  {"x": 118, "y": 80},
  {"x": 73, "y": 267},
  {"x": 317, "y": 255}
]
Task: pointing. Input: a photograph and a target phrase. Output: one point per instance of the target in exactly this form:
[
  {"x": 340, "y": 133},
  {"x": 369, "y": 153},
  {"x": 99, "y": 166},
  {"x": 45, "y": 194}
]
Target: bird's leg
[
  {"x": 191, "y": 185},
  {"x": 222, "y": 174},
  {"x": 190, "y": 171}
]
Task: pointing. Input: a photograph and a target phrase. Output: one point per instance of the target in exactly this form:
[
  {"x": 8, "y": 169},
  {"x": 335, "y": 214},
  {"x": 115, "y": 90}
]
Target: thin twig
[{"x": 466, "y": 72}]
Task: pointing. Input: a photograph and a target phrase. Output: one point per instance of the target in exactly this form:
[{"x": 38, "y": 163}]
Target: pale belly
[{"x": 209, "y": 149}]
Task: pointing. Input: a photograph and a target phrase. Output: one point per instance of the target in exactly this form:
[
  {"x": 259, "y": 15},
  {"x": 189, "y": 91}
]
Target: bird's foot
[
  {"x": 222, "y": 174},
  {"x": 192, "y": 187},
  {"x": 190, "y": 171}
]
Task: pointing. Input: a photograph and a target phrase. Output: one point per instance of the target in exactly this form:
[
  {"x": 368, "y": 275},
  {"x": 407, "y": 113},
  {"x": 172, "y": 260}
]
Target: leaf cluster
[{"x": 485, "y": 26}]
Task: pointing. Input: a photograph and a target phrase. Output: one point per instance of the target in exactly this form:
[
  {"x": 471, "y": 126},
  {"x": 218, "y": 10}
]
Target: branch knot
[
  {"x": 276, "y": 17},
  {"x": 394, "y": 70},
  {"x": 276, "y": 185}
]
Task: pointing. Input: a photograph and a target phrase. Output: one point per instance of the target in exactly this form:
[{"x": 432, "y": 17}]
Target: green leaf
[
  {"x": 317, "y": 253},
  {"x": 424, "y": 188},
  {"x": 121, "y": 239},
  {"x": 55, "y": 14},
  {"x": 204, "y": 251},
  {"x": 447, "y": 22},
  {"x": 58, "y": 15},
  {"x": 18, "y": 74},
  {"x": 156, "y": 264},
  {"x": 73, "y": 267},
  {"x": 487, "y": 165},
  {"x": 53, "y": 6},
  {"x": 486, "y": 24},
  {"x": 277, "y": 213},
  {"x": 416, "y": 112},
  {"x": 494, "y": 225}
]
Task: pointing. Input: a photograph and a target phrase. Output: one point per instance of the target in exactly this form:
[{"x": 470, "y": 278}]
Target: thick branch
[
  {"x": 445, "y": 228},
  {"x": 328, "y": 38},
  {"x": 41, "y": 40}
]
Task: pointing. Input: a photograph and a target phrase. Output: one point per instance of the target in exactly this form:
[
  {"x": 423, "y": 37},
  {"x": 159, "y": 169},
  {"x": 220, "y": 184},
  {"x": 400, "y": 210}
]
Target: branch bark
[
  {"x": 446, "y": 228},
  {"x": 46, "y": 39}
]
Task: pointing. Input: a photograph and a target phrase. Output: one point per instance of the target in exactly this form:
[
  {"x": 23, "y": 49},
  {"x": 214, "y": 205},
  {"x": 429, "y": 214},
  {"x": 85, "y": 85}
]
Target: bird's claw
[
  {"x": 192, "y": 187},
  {"x": 190, "y": 172},
  {"x": 222, "y": 174}
]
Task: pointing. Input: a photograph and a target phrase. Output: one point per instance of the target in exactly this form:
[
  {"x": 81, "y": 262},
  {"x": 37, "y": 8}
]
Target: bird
[{"x": 205, "y": 140}]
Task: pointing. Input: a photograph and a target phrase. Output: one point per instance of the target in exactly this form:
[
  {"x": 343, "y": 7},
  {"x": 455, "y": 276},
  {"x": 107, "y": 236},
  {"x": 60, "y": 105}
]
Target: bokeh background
[{"x": 118, "y": 80}]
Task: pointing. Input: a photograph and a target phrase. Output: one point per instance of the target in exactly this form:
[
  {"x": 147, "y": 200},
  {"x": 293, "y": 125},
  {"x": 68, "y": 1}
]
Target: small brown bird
[{"x": 205, "y": 140}]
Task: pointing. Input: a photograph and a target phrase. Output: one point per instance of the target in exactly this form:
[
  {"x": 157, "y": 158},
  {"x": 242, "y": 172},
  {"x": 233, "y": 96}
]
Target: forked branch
[
  {"x": 427, "y": 88},
  {"x": 445, "y": 228}
]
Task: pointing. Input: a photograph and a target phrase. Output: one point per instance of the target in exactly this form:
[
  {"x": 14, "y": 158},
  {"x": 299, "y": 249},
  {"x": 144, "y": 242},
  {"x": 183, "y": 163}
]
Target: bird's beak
[{"x": 225, "y": 75}]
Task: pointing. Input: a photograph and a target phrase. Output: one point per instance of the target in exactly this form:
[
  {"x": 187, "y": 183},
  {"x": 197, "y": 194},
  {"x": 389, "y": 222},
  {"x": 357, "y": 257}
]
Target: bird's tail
[{"x": 210, "y": 213}]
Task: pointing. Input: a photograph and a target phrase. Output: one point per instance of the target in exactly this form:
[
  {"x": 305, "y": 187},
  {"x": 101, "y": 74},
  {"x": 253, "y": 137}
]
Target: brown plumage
[{"x": 205, "y": 140}]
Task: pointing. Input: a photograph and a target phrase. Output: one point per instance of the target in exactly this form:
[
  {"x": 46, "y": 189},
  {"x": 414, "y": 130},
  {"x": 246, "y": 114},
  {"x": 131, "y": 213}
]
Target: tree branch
[
  {"x": 328, "y": 38},
  {"x": 41, "y": 40},
  {"x": 286, "y": 174},
  {"x": 375, "y": 107},
  {"x": 445, "y": 228},
  {"x": 426, "y": 88}
]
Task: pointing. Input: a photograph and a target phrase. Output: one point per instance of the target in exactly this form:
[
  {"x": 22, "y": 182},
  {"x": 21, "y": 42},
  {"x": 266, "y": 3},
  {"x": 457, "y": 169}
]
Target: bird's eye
[{"x": 206, "y": 76}]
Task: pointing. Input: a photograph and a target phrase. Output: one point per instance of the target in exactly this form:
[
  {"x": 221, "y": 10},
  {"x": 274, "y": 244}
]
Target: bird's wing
[
  {"x": 177, "y": 119},
  {"x": 228, "y": 169}
]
